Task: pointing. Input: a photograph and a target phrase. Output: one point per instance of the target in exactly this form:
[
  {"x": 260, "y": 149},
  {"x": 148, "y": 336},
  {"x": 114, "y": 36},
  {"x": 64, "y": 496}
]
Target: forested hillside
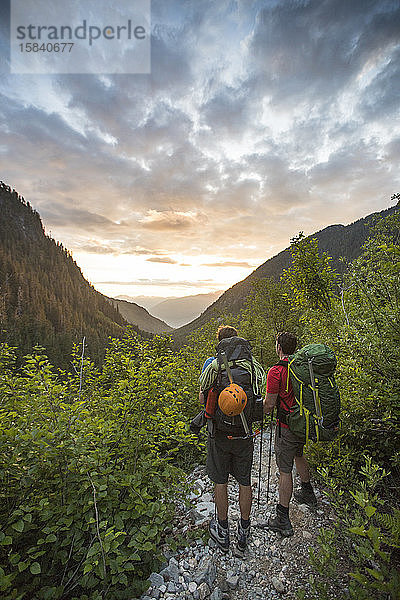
[
  {"x": 92, "y": 462},
  {"x": 339, "y": 241},
  {"x": 139, "y": 316},
  {"x": 44, "y": 298}
]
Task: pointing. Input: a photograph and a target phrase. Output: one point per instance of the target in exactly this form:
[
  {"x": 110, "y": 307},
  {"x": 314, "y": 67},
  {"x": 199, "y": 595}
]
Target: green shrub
[{"x": 90, "y": 464}]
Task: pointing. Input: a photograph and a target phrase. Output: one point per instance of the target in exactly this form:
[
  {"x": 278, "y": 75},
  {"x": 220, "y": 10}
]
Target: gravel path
[{"x": 272, "y": 567}]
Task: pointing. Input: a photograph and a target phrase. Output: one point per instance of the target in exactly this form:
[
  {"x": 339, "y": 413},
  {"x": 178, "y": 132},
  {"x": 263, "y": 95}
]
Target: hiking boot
[
  {"x": 243, "y": 538},
  {"x": 281, "y": 524},
  {"x": 219, "y": 534},
  {"x": 305, "y": 496}
]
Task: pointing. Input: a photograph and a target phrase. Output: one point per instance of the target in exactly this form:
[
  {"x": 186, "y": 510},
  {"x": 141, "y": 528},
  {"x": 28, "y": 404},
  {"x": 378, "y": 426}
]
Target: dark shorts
[
  {"x": 287, "y": 446},
  {"x": 229, "y": 457}
]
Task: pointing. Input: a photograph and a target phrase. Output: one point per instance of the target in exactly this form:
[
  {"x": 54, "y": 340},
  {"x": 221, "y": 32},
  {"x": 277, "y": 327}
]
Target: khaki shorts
[
  {"x": 229, "y": 457},
  {"x": 287, "y": 446}
]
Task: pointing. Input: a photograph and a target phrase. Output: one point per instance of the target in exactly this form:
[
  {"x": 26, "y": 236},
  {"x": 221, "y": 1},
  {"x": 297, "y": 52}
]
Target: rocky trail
[{"x": 273, "y": 566}]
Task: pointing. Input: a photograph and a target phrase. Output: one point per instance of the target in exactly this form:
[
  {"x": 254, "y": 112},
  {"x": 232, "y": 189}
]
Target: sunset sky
[{"x": 258, "y": 120}]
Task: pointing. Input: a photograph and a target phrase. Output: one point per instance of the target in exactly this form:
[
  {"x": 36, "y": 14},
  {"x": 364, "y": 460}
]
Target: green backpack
[{"x": 315, "y": 415}]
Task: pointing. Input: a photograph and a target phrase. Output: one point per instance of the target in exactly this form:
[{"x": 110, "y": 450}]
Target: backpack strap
[{"x": 282, "y": 414}]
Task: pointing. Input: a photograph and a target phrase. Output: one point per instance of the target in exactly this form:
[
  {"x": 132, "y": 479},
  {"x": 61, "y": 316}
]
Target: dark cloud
[
  {"x": 170, "y": 220},
  {"x": 382, "y": 96},
  {"x": 228, "y": 263},
  {"x": 95, "y": 249},
  {"x": 310, "y": 50},
  {"x": 227, "y": 111},
  {"x": 159, "y": 282},
  {"x": 65, "y": 216},
  {"x": 166, "y": 260},
  {"x": 392, "y": 149},
  {"x": 121, "y": 248},
  {"x": 348, "y": 166}
]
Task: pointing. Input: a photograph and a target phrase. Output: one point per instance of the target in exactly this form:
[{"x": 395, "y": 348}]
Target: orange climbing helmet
[{"x": 232, "y": 400}]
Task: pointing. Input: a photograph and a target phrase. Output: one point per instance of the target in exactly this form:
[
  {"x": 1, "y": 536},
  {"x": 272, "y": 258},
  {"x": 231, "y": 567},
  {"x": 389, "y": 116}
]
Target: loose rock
[
  {"x": 278, "y": 585},
  {"x": 204, "y": 591}
]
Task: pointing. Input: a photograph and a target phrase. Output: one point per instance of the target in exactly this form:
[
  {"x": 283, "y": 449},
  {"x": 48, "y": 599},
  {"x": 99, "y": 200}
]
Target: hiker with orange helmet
[{"x": 234, "y": 374}]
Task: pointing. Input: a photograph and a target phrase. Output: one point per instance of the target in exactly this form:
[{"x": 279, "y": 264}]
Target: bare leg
[
  {"x": 302, "y": 468},
  {"x": 221, "y": 500},
  {"x": 245, "y": 499},
  {"x": 285, "y": 488}
]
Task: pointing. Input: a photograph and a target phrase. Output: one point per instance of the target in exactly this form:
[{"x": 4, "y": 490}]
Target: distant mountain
[
  {"x": 337, "y": 240},
  {"x": 176, "y": 311},
  {"x": 44, "y": 298},
  {"x": 140, "y": 317},
  {"x": 179, "y": 311},
  {"x": 146, "y": 301}
]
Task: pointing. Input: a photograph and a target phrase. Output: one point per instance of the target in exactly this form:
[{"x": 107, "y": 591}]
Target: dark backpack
[
  {"x": 236, "y": 349},
  {"x": 315, "y": 415}
]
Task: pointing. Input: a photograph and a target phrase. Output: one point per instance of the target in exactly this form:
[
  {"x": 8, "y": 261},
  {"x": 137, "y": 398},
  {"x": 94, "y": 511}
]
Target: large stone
[
  {"x": 232, "y": 581},
  {"x": 156, "y": 580},
  {"x": 206, "y": 572},
  {"x": 217, "y": 594},
  {"x": 171, "y": 573},
  {"x": 171, "y": 588},
  {"x": 197, "y": 518},
  {"x": 278, "y": 585},
  {"x": 204, "y": 591}
]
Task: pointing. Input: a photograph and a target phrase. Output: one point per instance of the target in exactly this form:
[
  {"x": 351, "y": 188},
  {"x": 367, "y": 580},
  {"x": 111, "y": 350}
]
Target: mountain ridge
[
  {"x": 337, "y": 240},
  {"x": 180, "y": 311},
  {"x": 44, "y": 298},
  {"x": 140, "y": 316}
]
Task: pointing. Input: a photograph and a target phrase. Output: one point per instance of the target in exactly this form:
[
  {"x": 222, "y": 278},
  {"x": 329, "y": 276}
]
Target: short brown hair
[
  {"x": 225, "y": 331},
  {"x": 287, "y": 341}
]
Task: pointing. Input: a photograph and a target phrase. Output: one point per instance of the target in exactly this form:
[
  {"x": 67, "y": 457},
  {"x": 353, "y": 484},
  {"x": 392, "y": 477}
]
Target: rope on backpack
[{"x": 257, "y": 374}]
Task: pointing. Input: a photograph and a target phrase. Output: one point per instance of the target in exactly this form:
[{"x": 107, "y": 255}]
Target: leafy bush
[
  {"x": 366, "y": 534},
  {"x": 90, "y": 464}
]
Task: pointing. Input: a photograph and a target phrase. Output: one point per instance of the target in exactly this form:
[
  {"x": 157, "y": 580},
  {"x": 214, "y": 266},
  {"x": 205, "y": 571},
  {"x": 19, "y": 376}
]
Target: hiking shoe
[
  {"x": 303, "y": 496},
  {"x": 280, "y": 524},
  {"x": 243, "y": 538},
  {"x": 219, "y": 535}
]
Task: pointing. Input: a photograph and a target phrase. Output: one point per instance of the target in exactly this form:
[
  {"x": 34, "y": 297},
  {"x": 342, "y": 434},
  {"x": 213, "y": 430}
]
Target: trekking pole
[
  {"x": 261, "y": 444},
  {"x": 270, "y": 452},
  {"x": 260, "y": 465}
]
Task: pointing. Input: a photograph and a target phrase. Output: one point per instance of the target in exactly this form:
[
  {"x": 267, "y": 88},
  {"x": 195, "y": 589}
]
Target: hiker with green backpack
[
  {"x": 302, "y": 388},
  {"x": 232, "y": 385}
]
